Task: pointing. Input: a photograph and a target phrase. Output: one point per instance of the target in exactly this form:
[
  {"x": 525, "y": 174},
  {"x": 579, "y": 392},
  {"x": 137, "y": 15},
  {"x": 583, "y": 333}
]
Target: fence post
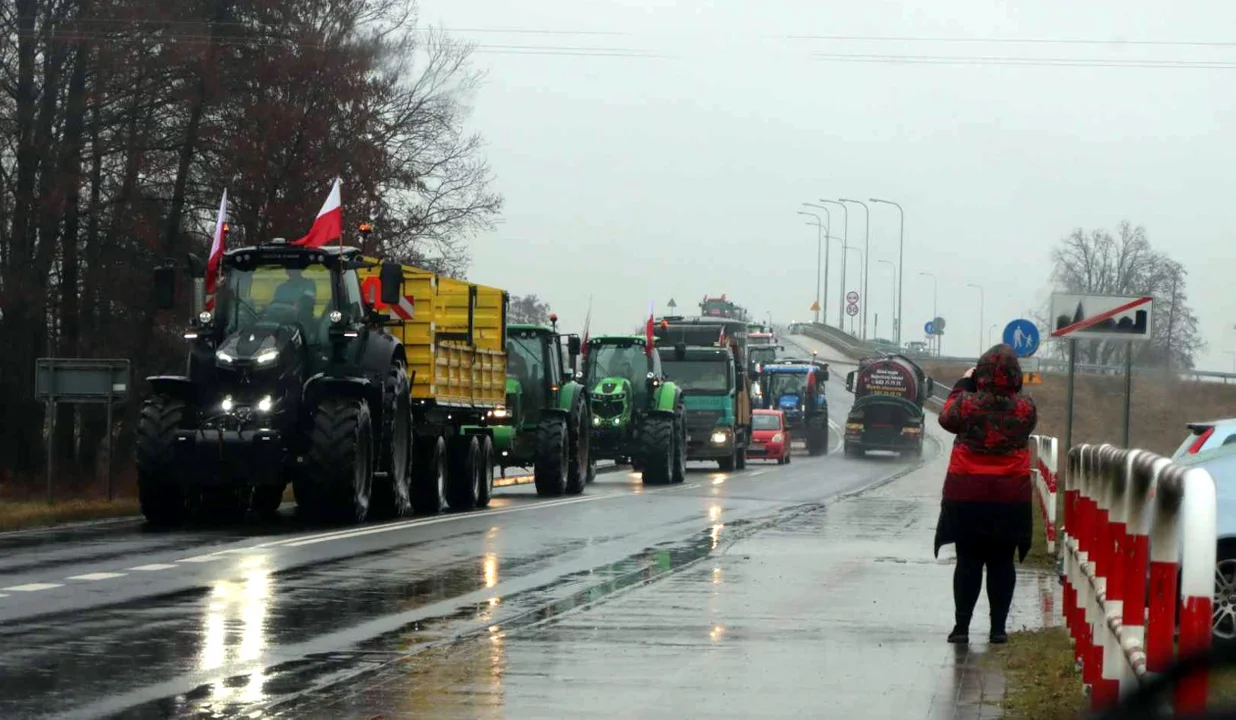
[
  {"x": 1164, "y": 559},
  {"x": 1197, "y": 573},
  {"x": 1111, "y": 475}
]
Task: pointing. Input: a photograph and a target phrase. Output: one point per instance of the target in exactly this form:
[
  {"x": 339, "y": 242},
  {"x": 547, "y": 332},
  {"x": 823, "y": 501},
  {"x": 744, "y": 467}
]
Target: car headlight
[
  {"x": 719, "y": 437},
  {"x": 227, "y": 404},
  {"x": 777, "y": 438},
  {"x": 265, "y": 404},
  {"x": 267, "y": 357},
  {"x": 224, "y": 357}
]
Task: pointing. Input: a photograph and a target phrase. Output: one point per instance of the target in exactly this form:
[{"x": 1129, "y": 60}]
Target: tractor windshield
[
  {"x": 279, "y": 295},
  {"x": 624, "y": 361},
  {"x": 525, "y": 360},
  {"x": 783, "y": 383}
]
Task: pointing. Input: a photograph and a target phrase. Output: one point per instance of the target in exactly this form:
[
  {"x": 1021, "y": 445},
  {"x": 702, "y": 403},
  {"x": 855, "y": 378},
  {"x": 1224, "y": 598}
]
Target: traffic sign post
[
  {"x": 1112, "y": 318},
  {"x": 1023, "y": 336}
]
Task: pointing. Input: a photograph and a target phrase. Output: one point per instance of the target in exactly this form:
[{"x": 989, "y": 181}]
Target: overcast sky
[{"x": 670, "y": 163}]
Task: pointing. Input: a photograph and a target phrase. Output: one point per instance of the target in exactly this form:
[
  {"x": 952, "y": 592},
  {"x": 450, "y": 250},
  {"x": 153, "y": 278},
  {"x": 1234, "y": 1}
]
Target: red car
[{"x": 770, "y": 438}]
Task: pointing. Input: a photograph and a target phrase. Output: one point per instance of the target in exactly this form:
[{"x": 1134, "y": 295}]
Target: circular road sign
[
  {"x": 851, "y": 297},
  {"x": 851, "y": 310},
  {"x": 1023, "y": 336},
  {"x": 938, "y": 324},
  {"x": 929, "y": 328}
]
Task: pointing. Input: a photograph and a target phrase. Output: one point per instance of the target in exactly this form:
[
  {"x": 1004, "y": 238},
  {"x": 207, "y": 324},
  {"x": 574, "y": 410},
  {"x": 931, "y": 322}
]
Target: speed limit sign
[
  {"x": 851, "y": 297},
  {"x": 851, "y": 310}
]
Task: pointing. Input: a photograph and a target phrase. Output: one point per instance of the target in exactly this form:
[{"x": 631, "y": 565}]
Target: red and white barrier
[
  {"x": 1134, "y": 523},
  {"x": 1043, "y": 467}
]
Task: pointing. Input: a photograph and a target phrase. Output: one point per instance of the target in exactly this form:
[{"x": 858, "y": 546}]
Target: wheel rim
[
  {"x": 362, "y": 474},
  {"x": 441, "y": 469},
  {"x": 1223, "y": 621},
  {"x": 400, "y": 451}
]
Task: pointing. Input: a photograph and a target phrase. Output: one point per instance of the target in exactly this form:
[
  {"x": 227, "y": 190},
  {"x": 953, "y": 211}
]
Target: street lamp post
[
  {"x": 901, "y": 259},
  {"x": 828, "y": 231},
  {"x": 935, "y": 310},
  {"x": 865, "y": 292},
  {"x": 892, "y": 298},
  {"x": 990, "y": 332},
  {"x": 980, "y": 289},
  {"x": 819, "y": 232},
  {"x": 845, "y": 234}
]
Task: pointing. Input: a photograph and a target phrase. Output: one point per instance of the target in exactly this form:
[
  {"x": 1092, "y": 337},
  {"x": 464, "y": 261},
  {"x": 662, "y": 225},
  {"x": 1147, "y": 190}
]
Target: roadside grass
[
  {"x": 1041, "y": 682},
  {"x": 1160, "y": 407}
]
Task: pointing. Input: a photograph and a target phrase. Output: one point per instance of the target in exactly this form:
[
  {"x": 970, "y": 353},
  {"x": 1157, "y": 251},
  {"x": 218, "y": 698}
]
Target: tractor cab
[
  {"x": 621, "y": 376},
  {"x": 537, "y": 366}
]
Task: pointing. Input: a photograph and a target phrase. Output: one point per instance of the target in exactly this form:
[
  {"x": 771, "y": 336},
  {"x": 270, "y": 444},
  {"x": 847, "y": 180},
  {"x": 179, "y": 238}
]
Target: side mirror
[
  {"x": 574, "y": 345},
  {"x": 165, "y": 288},
  {"x": 849, "y": 380},
  {"x": 931, "y": 387},
  {"x": 196, "y": 266},
  {"x": 391, "y": 277}
]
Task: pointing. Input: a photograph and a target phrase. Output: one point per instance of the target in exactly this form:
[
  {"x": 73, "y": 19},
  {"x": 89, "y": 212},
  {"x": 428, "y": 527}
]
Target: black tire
[
  {"x": 817, "y": 438},
  {"x": 391, "y": 496},
  {"x": 486, "y": 481},
  {"x": 159, "y": 491},
  {"x": 463, "y": 478},
  {"x": 266, "y": 501},
  {"x": 339, "y": 465},
  {"x": 680, "y": 448},
  {"x": 550, "y": 468},
  {"x": 429, "y": 468},
  {"x": 657, "y": 448},
  {"x": 789, "y": 456},
  {"x": 740, "y": 459},
  {"x": 727, "y": 464},
  {"x": 582, "y": 466}
]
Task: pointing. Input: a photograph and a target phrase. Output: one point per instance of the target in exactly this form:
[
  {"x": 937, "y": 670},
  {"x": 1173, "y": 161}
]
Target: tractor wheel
[
  {"x": 582, "y": 467},
  {"x": 266, "y": 501},
  {"x": 485, "y": 486},
  {"x": 680, "y": 449},
  {"x": 658, "y": 450},
  {"x": 464, "y": 476},
  {"x": 160, "y": 494},
  {"x": 429, "y": 467},
  {"x": 552, "y": 448},
  {"x": 391, "y": 493},
  {"x": 339, "y": 465}
]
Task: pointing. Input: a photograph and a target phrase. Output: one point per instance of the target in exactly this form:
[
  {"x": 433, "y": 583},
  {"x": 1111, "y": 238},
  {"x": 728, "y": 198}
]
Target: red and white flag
[
  {"x": 648, "y": 339},
  {"x": 216, "y": 254},
  {"x": 329, "y": 224},
  {"x": 587, "y": 322}
]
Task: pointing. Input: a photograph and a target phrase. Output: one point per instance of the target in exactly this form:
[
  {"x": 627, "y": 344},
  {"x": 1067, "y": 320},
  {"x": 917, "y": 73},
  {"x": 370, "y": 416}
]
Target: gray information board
[{"x": 77, "y": 380}]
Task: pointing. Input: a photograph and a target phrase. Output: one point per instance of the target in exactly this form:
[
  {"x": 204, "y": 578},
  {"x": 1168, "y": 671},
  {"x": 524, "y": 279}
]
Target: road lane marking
[
  {"x": 201, "y": 558},
  {"x": 34, "y": 587},
  {"x": 3, "y": 595},
  {"x": 153, "y": 567},
  {"x": 97, "y": 576}
]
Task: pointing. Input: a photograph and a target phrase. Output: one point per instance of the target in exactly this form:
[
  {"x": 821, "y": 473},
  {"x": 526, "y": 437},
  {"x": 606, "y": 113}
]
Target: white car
[{"x": 1207, "y": 436}]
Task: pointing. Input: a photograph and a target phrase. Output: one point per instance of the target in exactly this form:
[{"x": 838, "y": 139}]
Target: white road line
[
  {"x": 97, "y": 576},
  {"x": 153, "y": 567},
  {"x": 200, "y": 558},
  {"x": 3, "y": 595},
  {"x": 33, "y": 587}
]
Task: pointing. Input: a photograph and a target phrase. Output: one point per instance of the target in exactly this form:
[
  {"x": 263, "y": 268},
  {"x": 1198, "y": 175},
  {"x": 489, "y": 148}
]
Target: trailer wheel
[
  {"x": 429, "y": 475},
  {"x": 658, "y": 450},
  {"x": 582, "y": 466},
  {"x": 340, "y": 461},
  {"x": 680, "y": 448},
  {"x": 391, "y": 494},
  {"x": 550, "y": 469},
  {"x": 463, "y": 478},
  {"x": 159, "y": 492},
  {"x": 485, "y": 484}
]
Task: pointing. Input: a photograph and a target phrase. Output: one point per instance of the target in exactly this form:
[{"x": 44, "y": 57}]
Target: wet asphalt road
[{"x": 113, "y": 620}]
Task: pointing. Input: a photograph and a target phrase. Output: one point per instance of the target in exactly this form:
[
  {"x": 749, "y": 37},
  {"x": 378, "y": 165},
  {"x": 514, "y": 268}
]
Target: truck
[
  {"x": 545, "y": 423},
  {"x": 889, "y": 392},
  {"x": 723, "y": 308},
  {"x": 637, "y": 413},
  {"x": 365, "y": 385},
  {"x": 797, "y": 387},
  {"x": 706, "y": 357}
]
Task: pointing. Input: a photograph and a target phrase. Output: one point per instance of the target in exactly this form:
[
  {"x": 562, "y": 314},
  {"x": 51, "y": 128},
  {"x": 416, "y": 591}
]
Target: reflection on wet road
[{"x": 254, "y": 622}]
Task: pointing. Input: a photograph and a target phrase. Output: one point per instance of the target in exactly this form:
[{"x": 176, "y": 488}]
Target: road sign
[
  {"x": 851, "y": 310},
  {"x": 671, "y": 304},
  {"x": 1023, "y": 336},
  {"x": 938, "y": 324},
  {"x": 851, "y": 297},
  {"x": 1031, "y": 378},
  {"x": 929, "y": 328},
  {"x": 1102, "y": 317},
  {"x": 815, "y": 307}
]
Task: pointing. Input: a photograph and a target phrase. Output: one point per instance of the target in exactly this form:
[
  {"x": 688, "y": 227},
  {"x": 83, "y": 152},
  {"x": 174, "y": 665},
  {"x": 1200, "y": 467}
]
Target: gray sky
[{"x": 646, "y": 178}]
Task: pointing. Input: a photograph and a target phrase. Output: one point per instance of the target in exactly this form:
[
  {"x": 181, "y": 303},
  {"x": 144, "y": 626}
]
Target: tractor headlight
[
  {"x": 265, "y": 404},
  {"x": 204, "y": 318},
  {"x": 224, "y": 357},
  {"x": 596, "y": 421},
  {"x": 336, "y": 317},
  {"x": 617, "y": 421},
  {"x": 719, "y": 437},
  {"x": 227, "y": 404},
  {"x": 268, "y": 356},
  {"x": 499, "y": 412}
]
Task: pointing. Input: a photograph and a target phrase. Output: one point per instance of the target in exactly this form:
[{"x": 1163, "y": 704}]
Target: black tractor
[{"x": 291, "y": 379}]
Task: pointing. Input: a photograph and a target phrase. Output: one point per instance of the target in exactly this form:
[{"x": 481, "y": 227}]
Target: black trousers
[{"x": 972, "y": 557}]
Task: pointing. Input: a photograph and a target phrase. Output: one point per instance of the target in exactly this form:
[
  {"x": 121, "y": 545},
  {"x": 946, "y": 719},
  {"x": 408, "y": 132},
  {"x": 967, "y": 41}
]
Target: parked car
[
  {"x": 770, "y": 438},
  {"x": 1206, "y": 436},
  {"x": 1220, "y": 462}
]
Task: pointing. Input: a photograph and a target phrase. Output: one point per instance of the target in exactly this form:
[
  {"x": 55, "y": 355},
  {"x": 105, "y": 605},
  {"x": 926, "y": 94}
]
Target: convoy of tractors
[{"x": 375, "y": 390}]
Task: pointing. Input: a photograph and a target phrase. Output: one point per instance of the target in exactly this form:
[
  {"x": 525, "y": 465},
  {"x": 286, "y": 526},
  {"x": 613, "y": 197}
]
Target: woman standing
[{"x": 987, "y": 508}]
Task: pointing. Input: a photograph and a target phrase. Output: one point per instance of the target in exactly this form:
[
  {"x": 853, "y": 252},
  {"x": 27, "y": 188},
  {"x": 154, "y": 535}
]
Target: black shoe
[
  {"x": 998, "y": 637},
  {"x": 959, "y": 636}
]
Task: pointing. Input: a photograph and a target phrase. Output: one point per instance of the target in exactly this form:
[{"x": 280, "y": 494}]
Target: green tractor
[
  {"x": 637, "y": 416},
  {"x": 546, "y": 419}
]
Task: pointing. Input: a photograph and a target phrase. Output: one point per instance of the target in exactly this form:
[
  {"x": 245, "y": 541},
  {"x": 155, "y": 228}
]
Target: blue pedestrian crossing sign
[
  {"x": 930, "y": 328},
  {"x": 1023, "y": 336}
]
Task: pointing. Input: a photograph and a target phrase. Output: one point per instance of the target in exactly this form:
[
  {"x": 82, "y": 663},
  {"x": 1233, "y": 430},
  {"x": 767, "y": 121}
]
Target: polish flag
[
  {"x": 648, "y": 331},
  {"x": 329, "y": 224},
  {"x": 216, "y": 254},
  {"x": 587, "y": 322}
]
